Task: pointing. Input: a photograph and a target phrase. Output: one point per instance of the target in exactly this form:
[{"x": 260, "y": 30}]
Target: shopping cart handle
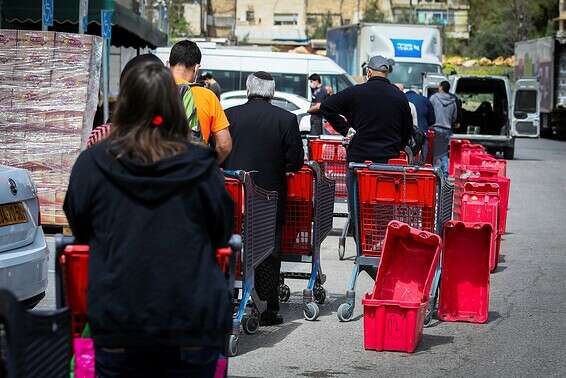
[
  {"x": 62, "y": 241},
  {"x": 235, "y": 242}
]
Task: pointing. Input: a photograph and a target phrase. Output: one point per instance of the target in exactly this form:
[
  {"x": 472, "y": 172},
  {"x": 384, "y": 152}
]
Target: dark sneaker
[{"x": 270, "y": 318}]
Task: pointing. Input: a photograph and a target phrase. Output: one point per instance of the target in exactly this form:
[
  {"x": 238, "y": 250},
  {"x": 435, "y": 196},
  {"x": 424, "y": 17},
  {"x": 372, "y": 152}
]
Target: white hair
[{"x": 257, "y": 87}]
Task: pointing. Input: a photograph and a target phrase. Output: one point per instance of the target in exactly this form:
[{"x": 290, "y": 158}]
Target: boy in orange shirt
[{"x": 184, "y": 61}]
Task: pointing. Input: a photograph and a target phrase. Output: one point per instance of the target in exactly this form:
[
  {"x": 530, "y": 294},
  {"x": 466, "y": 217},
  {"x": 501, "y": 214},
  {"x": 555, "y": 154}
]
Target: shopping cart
[
  {"x": 329, "y": 151},
  {"x": 71, "y": 278},
  {"x": 308, "y": 220},
  {"x": 418, "y": 196},
  {"x": 255, "y": 217}
]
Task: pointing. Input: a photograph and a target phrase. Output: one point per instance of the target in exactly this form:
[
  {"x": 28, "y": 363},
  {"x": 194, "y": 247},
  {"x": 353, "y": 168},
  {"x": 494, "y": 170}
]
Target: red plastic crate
[
  {"x": 74, "y": 262},
  {"x": 394, "y": 312},
  {"x": 409, "y": 260},
  {"x": 455, "y": 154},
  {"x": 299, "y": 213},
  {"x": 391, "y": 325},
  {"x": 504, "y": 190},
  {"x": 499, "y": 164},
  {"x": 479, "y": 159},
  {"x": 480, "y": 203},
  {"x": 464, "y": 286},
  {"x": 331, "y": 156},
  {"x": 386, "y": 196}
]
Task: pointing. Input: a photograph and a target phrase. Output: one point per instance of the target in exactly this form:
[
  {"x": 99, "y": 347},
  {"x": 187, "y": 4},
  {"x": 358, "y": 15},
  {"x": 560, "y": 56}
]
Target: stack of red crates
[
  {"x": 469, "y": 163},
  {"x": 74, "y": 263},
  {"x": 299, "y": 213},
  {"x": 394, "y": 312}
]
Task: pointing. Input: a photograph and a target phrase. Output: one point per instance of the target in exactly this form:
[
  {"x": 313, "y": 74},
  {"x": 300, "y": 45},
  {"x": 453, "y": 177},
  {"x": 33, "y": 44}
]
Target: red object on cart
[
  {"x": 480, "y": 203},
  {"x": 409, "y": 197},
  {"x": 500, "y": 164},
  {"x": 394, "y": 313},
  {"x": 464, "y": 285},
  {"x": 299, "y": 212},
  {"x": 330, "y": 154},
  {"x": 74, "y": 262},
  {"x": 236, "y": 190}
]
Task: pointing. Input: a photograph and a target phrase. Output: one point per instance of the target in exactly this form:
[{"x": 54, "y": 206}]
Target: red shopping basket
[
  {"x": 331, "y": 156},
  {"x": 464, "y": 286},
  {"x": 299, "y": 213},
  {"x": 480, "y": 203},
  {"x": 394, "y": 313},
  {"x": 409, "y": 197},
  {"x": 74, "y": 263}
]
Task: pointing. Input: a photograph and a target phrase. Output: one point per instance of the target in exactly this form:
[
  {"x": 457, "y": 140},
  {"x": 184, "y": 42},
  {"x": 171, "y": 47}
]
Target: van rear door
[{"x": 526, "y": 109}]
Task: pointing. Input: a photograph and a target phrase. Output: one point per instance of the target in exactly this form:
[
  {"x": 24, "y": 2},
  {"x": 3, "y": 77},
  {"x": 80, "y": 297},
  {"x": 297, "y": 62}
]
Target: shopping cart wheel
[
  {"x": 345, "y": 312},
  {"x": 233, "y": 342},
  {"x": 284, "y": 293},
  {"x": 311, "y": 311},
  {"x": 319, "y": 295},
  {"x": 250, "y": 324},
  {"x": 341, "y": 248}
]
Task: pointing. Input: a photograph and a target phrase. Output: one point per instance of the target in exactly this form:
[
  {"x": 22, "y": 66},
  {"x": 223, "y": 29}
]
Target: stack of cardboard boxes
[{"x": 48, "y": 96}]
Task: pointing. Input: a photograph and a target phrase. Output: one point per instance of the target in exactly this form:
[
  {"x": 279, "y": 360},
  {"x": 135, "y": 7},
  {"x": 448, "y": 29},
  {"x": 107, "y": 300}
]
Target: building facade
[{"x": 297, "y": 21}]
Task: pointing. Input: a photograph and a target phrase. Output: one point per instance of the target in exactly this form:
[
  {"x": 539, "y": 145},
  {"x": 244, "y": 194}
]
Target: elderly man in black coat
[{"x": 266, "y": 139}]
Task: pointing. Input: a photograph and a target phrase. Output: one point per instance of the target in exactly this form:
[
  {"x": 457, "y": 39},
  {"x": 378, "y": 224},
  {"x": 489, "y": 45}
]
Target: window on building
[
  {"x": 250, "y": 16},
  {"x": 285, "y": 19}
]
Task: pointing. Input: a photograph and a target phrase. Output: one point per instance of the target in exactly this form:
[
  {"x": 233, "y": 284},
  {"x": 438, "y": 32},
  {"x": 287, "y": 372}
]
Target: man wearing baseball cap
[{"x": 378, "y": 112}]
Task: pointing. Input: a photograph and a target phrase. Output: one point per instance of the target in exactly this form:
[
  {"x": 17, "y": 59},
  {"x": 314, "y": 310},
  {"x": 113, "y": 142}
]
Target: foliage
[
  {"x": 373, "y": 13},
  {"x": 322, "y": 28},
  {"x": 497, "y": 24},
  {"x": 178, "y": 25}
]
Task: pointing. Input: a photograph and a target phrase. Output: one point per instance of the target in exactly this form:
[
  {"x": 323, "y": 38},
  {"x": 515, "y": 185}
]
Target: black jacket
[
  {"x": 153, "y": 230},
  {"x": 380, "y": 114},
  {"x": 265, "y": 139}
]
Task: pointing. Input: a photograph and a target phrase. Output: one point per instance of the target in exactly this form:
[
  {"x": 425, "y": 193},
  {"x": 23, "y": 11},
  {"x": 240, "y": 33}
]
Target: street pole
[
  {"x": 106, "y": 31},
  {"x": 83, "y": 16}
]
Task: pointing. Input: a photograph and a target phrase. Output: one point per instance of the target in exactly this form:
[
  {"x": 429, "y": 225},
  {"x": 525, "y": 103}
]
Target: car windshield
[{"x": 410, "y": 74}]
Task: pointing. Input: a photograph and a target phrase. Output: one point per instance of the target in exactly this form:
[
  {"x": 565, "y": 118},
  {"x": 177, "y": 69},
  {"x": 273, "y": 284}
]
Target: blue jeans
[
  {"x": 156, "y": 362},
  {"x": 442, "y": 163}
]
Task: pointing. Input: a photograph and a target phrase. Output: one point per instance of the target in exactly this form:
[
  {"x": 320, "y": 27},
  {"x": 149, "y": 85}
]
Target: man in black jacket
[
  {"x": 266, "y": 139},
  {"x": 377, "y": 110}
]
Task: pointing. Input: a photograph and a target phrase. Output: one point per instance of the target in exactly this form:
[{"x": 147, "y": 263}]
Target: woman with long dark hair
[{"x": 153, "y": 208}]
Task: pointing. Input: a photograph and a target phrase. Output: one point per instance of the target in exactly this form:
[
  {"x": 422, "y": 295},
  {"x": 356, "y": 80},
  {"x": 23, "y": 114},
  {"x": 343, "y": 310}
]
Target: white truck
[{"x": 416, "y": 49}]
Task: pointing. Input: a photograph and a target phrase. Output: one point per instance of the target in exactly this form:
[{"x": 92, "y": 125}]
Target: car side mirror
[{"x": 520, "y": 115}]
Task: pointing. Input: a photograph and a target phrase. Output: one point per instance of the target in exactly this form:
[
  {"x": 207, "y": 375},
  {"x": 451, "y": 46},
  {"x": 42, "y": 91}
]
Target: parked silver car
[{"x": 23, "y": 250}]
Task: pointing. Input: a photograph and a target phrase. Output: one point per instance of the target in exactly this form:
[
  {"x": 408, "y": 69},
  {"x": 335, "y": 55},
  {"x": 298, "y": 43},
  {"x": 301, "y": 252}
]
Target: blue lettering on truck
[{"x": 407, "y": 48}]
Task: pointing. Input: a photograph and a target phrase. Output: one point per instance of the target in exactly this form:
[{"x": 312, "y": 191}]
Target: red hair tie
[{"x": 157, "y": 121}]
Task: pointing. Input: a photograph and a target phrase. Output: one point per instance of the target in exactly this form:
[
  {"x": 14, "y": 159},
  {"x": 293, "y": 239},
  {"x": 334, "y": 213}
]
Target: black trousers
[{"x": 267, "y": 275}]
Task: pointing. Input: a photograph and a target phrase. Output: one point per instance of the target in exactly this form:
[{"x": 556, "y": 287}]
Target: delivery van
[{"x": 231, "y": 67}]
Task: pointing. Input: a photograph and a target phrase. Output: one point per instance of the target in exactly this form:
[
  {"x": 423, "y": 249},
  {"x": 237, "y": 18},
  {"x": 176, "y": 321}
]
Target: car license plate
[{"x": 13, "y": 213}]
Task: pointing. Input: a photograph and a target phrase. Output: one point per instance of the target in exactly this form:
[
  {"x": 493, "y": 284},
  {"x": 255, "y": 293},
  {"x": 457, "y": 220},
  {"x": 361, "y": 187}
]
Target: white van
[{"x": 231, "y": 67}]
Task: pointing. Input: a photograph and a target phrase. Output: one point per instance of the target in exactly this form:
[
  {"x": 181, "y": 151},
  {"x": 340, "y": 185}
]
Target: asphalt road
[{"x": 526, "y": 332}]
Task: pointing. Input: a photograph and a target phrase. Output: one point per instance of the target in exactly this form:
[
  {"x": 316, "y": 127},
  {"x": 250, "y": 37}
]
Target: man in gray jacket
[{"x": 446, "y": 112}]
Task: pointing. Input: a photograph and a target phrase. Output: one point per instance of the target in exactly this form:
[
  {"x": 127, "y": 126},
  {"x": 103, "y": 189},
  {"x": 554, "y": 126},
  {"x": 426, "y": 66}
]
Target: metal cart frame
[{"x": 322, "y": 202}]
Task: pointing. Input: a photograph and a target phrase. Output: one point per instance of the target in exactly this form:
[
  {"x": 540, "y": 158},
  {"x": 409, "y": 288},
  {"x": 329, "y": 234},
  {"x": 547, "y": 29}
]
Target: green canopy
[{"x": 129, "y": 29}]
